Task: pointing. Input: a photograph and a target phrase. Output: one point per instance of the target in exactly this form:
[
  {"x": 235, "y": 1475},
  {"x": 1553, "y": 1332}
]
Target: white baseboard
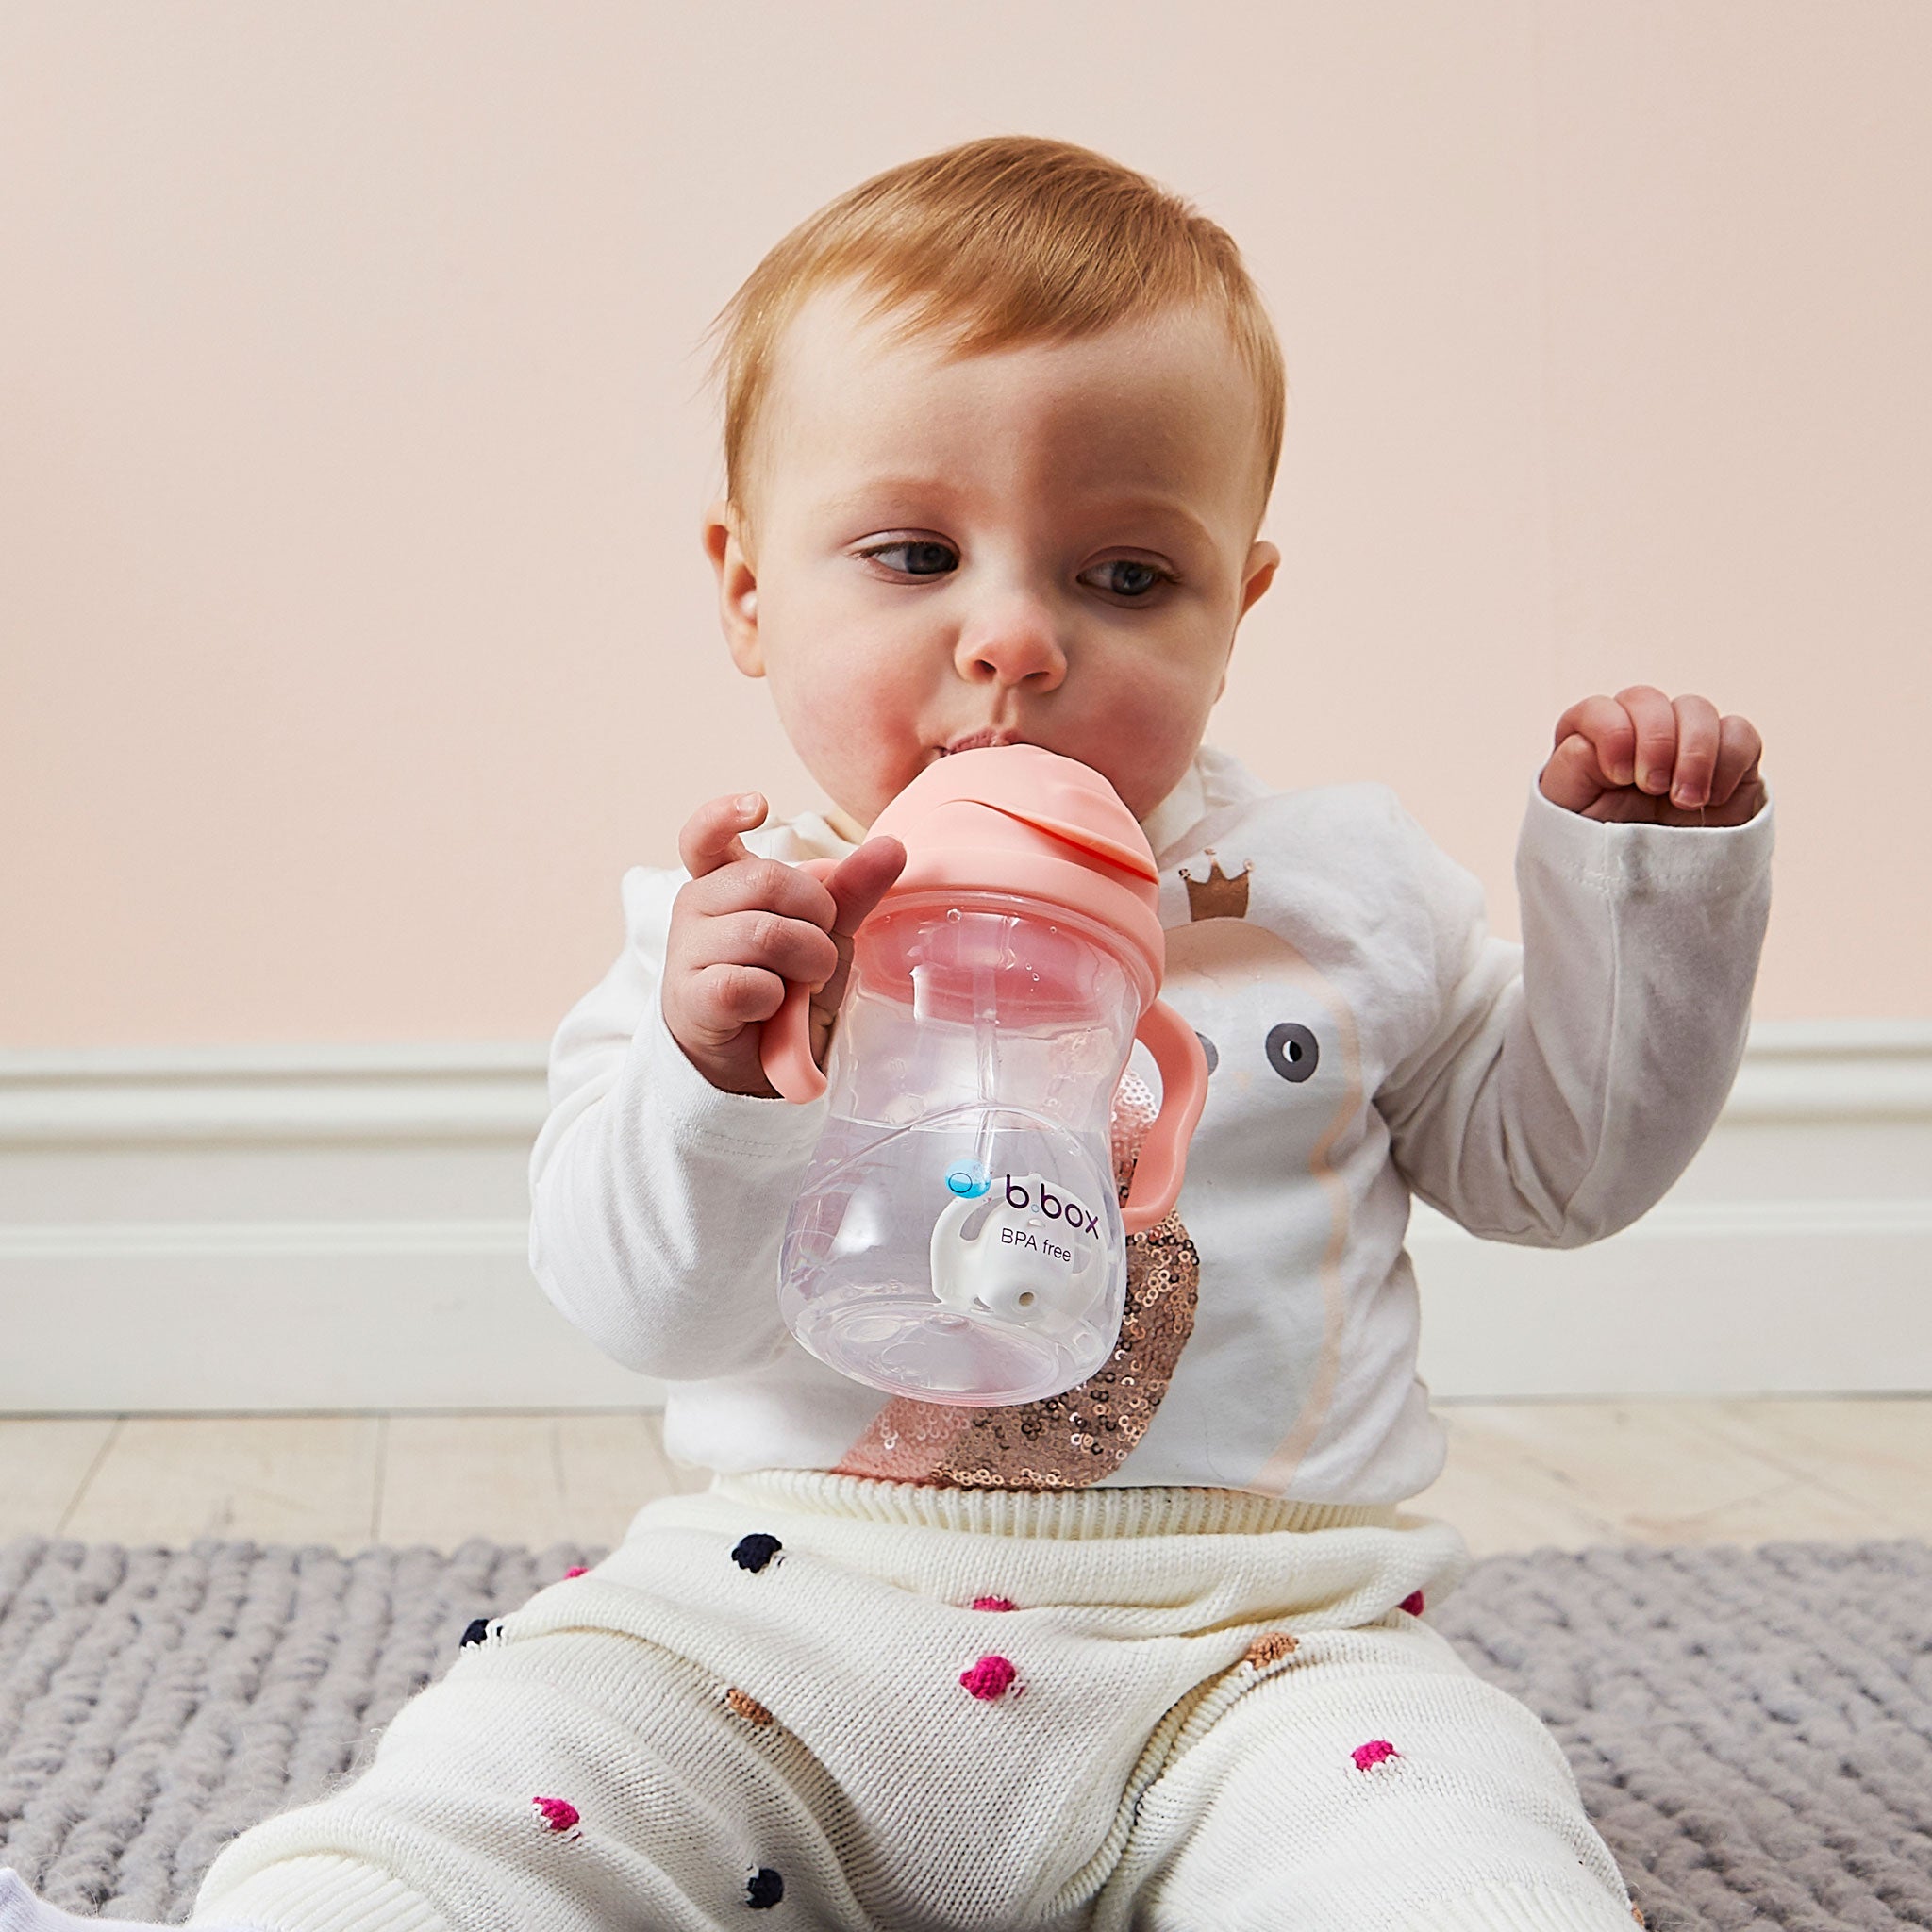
[
  {"x": 343, "y": 1228},
  {"x": 279, "y": 1228}
]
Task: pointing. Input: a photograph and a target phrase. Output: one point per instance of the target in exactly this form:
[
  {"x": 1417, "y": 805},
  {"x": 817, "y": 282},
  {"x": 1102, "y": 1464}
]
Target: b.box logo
[{"x": 1054, "y": 1207}]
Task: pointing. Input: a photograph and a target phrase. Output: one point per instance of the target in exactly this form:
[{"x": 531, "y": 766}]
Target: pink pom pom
[
  {"x": 1412, "y": 1603},
  {"x": 1376, "y": 1751},
  {"x": 994, "y": 1603},
  {"x": 990, "y": 1677},
  {"x": 559, "y": 1814},
  {"x": 579, "y": 1570}
]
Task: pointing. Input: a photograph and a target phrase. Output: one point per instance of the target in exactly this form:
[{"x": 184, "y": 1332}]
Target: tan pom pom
[
  {"x": 1269, "y": 1646},
  {"x": 749, "y": 1709}
]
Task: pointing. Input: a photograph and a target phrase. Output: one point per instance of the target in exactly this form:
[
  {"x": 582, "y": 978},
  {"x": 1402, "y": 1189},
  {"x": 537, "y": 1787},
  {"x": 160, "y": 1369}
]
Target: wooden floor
[{"x": 1519, "y": 1475}]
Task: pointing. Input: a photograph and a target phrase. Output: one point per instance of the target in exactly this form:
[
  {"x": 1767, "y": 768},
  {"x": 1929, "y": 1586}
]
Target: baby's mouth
[{"x": 978, "y": 740}]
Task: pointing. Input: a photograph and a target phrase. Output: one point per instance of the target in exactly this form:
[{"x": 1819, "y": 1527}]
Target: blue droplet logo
[{"x": 969, "y": 1179}]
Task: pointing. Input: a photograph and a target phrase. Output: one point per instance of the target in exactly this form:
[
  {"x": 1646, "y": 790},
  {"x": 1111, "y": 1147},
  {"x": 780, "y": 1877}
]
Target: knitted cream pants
[{"x": 872, "y": 1704}]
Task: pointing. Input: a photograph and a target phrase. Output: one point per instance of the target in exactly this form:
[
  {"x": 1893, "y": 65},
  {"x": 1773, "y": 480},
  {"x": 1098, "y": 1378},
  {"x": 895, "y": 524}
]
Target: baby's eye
[
  {"x": 1136, "y": 578},
  {"x": 922, "y": 558}
]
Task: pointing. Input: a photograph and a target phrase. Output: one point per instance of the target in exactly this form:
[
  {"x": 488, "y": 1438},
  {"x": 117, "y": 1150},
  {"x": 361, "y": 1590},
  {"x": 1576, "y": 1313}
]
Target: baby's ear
[
  {"x": 738, "y": 590},
  {"x": 1264, "y": 560}
]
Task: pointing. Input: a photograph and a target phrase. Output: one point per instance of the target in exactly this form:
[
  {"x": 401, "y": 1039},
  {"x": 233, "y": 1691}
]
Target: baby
[{"x": 1000, "y": 428}]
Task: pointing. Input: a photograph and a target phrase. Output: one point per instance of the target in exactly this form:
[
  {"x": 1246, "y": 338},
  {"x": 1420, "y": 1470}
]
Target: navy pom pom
[{"x": 755, "y": 1551}]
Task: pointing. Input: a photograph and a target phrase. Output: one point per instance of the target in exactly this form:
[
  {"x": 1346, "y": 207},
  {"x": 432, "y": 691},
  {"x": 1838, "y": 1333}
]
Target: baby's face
[{"x": 1051, "y": 544}]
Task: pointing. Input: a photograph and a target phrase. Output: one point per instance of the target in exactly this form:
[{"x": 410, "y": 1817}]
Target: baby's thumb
[
  {"x": 861, "y": 880},
  {"x": 857, "y": 884}
]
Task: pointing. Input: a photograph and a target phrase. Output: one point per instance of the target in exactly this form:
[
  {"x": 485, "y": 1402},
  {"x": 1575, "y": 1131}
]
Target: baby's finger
[
  {"x": 794, "y": 948},
  {"x": 1698, "y": 741},
  {"x": 1656, "y": 724},
  {"x": 761, "y": 885},
  {"x": 709, "y": 838},
  {"x": 721, "y": 1000},
  {"x": 1603, "y": 723},
  {"x": 1740, "y": 748},
  {"x": 1574, "y": 778}
]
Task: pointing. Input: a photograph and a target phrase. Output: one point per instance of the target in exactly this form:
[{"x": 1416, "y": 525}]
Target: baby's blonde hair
[{"x": 990, "y": 245}]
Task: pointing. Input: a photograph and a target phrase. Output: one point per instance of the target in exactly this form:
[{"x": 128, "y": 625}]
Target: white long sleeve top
[{"x": 1369, "y": 1040}]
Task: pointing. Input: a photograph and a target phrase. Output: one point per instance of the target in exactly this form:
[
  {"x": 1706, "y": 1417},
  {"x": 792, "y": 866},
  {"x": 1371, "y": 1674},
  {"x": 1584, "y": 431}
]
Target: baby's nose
[{"x": 1016, "y": 642}]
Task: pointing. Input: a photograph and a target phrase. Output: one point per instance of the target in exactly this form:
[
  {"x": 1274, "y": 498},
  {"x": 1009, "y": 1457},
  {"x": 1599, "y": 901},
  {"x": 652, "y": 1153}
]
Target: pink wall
[{"x": 354, "y": 632}]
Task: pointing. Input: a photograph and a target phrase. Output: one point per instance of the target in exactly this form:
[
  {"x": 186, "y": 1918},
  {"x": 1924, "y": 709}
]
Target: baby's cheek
[
  {"x": 1144, "y": 736},
  {"x": 857, "y": 735}
]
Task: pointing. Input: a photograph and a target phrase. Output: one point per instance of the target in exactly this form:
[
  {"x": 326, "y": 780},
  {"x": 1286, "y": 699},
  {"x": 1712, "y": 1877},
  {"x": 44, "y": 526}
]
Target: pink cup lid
[{"x": 1015, "y": 819}]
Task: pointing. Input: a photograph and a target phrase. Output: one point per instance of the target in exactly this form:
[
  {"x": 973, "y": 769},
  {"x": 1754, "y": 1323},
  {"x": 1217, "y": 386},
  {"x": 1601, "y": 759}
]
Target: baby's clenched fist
[
  {"x": 742, "y": 927},
  {"x": 1641, "y": 757}
]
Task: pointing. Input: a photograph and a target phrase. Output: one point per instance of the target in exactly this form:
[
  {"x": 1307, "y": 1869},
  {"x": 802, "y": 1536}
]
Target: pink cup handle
[
  {"x": 1163, "y": 1158},
  {"x": 785, "y": 1046}
]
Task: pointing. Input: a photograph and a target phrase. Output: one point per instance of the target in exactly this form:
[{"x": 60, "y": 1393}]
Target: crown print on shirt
[{"x": 1217, "y": 896}]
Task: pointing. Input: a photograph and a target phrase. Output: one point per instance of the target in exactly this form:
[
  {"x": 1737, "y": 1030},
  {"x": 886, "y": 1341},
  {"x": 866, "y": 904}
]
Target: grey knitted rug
[{"x": 1752, "y": 1729}]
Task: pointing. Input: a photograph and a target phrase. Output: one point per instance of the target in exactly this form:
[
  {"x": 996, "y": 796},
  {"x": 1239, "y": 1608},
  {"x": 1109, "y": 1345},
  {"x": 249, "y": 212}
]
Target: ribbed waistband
[{"x": 1071, "y": 1515}]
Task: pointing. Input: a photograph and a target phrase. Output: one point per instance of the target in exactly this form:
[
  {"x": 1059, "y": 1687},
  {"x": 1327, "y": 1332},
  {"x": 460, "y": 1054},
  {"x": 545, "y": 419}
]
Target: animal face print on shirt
[{"x": 1286, "y": 1086}]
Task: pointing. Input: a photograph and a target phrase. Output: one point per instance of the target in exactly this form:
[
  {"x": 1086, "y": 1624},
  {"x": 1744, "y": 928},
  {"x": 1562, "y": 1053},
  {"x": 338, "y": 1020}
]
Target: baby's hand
[
  {"x": 742, "y": 927},
  {"x": 1642, "y": 757}
]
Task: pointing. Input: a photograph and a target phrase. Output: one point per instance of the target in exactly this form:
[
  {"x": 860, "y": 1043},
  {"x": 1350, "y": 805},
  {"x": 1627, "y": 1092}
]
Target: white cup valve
[{"x": 1018, "y": 1249}]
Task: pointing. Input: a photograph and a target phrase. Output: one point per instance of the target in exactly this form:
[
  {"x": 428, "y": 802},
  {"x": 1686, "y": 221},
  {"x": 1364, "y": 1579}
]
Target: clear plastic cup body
[{"x": 957, "y": 1236}]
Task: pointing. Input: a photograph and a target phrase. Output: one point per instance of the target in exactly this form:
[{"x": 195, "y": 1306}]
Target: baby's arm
[
  {"x": 1562, "y": 1089},
  {"x": 659, "y": 1190}
]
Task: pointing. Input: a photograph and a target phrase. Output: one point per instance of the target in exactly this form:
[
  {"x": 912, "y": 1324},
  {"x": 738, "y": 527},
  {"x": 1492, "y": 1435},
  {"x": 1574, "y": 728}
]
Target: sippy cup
[{"x": 957, "y": 1236}]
